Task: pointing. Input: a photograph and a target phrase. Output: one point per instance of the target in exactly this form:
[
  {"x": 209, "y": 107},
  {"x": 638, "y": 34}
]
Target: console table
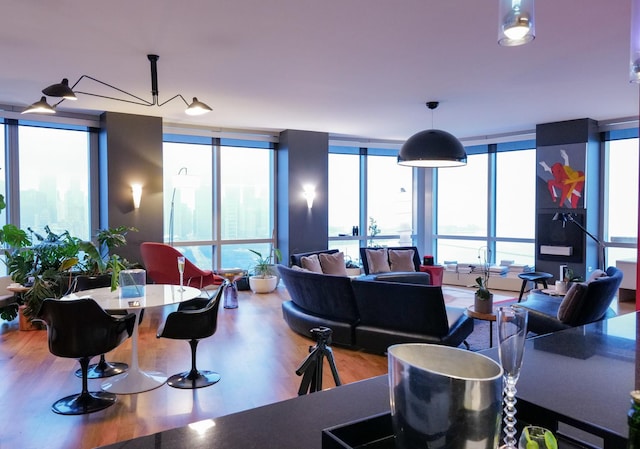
[{"x": 579, "y": 377}]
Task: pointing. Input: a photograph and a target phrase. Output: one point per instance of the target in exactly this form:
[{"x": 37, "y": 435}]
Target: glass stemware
[
  {"x": 181, "y": 271},
  {"x": 512, "y": 330}
]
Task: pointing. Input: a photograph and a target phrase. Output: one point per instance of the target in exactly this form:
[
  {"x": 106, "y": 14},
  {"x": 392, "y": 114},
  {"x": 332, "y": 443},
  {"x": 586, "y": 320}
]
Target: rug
[{"x": 479, "y": 338}]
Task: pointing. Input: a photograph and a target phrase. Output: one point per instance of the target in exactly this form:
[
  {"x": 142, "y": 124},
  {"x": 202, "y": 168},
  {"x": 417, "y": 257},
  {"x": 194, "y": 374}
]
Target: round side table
[
  {"x": 490, "y": 317},
  {"x": 231, "y": 275}
]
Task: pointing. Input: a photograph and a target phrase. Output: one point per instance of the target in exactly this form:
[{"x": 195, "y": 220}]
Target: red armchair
[{"x": 160, "y": 261}]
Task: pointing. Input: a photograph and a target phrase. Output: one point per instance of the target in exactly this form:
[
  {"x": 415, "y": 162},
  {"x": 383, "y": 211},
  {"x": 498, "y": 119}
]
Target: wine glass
[
  {"x": 534, "y": 437},
  {"x": 181, "y": 271},
  {"x": 512, "y": 330}
]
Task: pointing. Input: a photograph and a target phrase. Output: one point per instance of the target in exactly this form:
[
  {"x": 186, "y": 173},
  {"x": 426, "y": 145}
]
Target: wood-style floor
[{"x": 253, "y": 350}]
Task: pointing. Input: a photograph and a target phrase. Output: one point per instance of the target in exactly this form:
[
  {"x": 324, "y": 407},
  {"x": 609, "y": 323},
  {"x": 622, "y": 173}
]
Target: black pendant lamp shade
[
  {"x": 432, "y": 148},
  {"x": 60, "y": 90}
]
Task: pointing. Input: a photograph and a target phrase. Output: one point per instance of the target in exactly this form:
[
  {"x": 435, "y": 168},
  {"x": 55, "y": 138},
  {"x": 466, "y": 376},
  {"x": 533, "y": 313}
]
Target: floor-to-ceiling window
[
  {"x": 490, "y": 202},
  {"x": 370, "y": 200},
  {"x": 621, "y": 196},
  {"x": 219, "y": 199},
  {"x": 54, "y": 179}
]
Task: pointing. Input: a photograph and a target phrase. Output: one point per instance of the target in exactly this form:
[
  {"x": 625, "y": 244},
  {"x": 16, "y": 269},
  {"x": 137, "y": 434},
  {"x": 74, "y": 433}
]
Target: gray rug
[{"x": 479, "y": 338}]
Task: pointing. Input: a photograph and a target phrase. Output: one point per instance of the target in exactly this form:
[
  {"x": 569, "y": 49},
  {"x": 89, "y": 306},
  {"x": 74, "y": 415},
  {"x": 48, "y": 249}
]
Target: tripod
[{"x": 311, "y": 367}]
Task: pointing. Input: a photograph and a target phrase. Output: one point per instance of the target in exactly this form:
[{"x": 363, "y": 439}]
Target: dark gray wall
[
  {"x": 131, "y": 152},
  {"x": 303, "y": 158},
  {"x": 585, "y": 133}
]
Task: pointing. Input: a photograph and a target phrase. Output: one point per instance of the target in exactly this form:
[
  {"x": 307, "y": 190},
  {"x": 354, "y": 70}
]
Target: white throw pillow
[
  {"x": 311, "y": 263},
  {"x": 333, "y": 263},
  {"x": 378, "y": 261},
  {"x": 401, "y": 260}
]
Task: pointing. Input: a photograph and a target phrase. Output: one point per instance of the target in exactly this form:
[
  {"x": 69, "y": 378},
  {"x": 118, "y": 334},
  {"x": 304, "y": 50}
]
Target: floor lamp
[
  {"x": 565, "y": 217},
  {"x": 181, "y": 180}
]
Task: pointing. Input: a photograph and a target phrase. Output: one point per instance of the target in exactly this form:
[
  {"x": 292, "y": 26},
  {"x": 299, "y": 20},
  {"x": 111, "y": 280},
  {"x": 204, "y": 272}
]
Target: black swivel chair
[
  {"x": 103, "y": 368},
  {"x": 81, "y": 329},
  {"x": 192, "y": 323}
]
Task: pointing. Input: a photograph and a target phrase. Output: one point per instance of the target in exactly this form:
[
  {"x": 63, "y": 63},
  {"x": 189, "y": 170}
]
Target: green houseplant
[
  {"x": 483, "y": 298},
  {"x": 265, "y": 275}
]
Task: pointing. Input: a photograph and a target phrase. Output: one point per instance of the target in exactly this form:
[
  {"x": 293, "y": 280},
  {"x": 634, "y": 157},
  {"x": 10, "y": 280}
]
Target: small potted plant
[
  {"x": 264, "y": 278},
  {"x": 483, "y": 298},
  {"x": 353, "y": 268}
]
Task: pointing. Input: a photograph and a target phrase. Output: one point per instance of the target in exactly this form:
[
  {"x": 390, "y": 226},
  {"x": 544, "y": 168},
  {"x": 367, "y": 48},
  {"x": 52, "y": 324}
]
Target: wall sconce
[
  {"x": 309, "y": 193},
  {"x": 136, "y": 191}
]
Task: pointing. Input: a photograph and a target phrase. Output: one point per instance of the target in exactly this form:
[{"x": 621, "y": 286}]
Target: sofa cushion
[
  {"x": 311, "y": 263},
  {"x": 572, "y": 302},
  {"x": 378, "y": 261},
  {"x": 333, "y": 264},
  {"x": 596, "y": 274},
  {"x": 401, "y": 259}
]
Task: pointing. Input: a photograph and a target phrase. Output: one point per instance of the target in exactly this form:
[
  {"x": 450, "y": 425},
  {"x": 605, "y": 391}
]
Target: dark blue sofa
[{"x": 372, "y": 314}]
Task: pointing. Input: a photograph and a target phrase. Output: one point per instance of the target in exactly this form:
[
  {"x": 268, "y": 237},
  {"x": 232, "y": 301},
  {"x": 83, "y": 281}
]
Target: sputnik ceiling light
[
  {"x": 516, "y": 24},
  {"x": 63, "y": 91},
  {"x": 432, "y": 148}
]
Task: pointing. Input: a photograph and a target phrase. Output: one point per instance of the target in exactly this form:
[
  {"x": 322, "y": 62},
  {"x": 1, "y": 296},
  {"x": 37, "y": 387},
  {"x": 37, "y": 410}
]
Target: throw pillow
[
  {"x": 596, "y": 274},
  {"x": 311, "y": 263},
  {"x": 571, "y": 302},
  {"x": 378, "y": 261},
  {"x": 333, "y": 264},
  {"x": 401, "y": 260}
]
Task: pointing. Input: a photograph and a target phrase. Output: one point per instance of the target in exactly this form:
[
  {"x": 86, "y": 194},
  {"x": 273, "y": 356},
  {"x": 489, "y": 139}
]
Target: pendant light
[
  {"x": 432, "y": 148},
  {"x": 634, "y": 54},
  {"x": 516, "y": 24}
]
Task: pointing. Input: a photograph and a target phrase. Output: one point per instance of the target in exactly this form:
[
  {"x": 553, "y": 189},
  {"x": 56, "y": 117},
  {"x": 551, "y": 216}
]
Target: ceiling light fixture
[
  {"x": 62, "y": 90},
  {"x": 634, "y": 54},
  {"x": 432, "y": 148},
  {"x": 516, "y": 25},
  {"x": 40, "y": 107}
]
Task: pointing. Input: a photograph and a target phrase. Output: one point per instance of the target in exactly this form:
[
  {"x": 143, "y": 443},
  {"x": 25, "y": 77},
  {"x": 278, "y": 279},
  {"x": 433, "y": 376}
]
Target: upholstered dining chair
[
  {"x": 81, "y": 329},
  {"x": 103, "y": 368},
  {"x": 160, "y": 261},
  {"x": 192, "y": 322}
]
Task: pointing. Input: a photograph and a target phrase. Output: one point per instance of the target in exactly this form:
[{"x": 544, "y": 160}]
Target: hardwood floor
[{"x": 253, "y": 350}]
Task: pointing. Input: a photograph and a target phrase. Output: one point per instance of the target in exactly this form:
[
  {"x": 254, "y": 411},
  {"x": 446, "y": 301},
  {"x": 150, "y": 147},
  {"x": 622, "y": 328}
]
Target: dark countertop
[
  {"x": 580, "y": 376},
  {"x": 295, "y": 423}
]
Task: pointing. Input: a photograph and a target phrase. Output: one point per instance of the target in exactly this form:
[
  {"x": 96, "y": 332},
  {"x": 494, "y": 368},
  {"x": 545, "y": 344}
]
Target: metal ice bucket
[{"x": 443, "y": 397}]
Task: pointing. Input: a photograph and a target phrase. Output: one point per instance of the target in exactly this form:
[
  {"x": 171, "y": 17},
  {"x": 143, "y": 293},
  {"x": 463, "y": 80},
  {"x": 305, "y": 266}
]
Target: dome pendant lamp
[
  {"x": 516, "y": 25},
  {"x": 432, "y": 148}
]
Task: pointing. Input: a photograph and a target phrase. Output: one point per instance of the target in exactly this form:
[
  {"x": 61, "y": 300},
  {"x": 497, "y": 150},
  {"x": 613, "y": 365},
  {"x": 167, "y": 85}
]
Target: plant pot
[
  {"x": 353, "y": 272},
  {"x": 25, "y": 324},
  {"x": 483, "y": 305},
  {"x": 265, "y": 284}
]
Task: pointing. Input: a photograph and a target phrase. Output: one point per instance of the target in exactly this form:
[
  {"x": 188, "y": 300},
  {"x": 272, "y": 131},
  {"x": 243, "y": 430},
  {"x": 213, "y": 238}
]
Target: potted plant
[
  {"x": 483, "y": 298},
  {"x": 99, "y": 260},
  {"x": 264, "y": 278}
]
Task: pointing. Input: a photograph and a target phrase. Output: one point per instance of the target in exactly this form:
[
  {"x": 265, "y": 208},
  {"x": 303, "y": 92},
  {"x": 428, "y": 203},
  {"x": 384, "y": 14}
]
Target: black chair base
[
  {"x": 103, "y": 369},
  {"x": 190, "y": 380},
  {"x": 82, "y": 403}
]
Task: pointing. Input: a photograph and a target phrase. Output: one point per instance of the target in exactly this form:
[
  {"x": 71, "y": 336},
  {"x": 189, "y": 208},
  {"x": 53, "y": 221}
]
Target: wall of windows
[
  {"x": 621, "y": 196},
  {"x": 490, "y": 202},
  {"x": 53, "y": 170},
  {"x": 368, "y": 189},
  {"x": 222, "y": 196}
]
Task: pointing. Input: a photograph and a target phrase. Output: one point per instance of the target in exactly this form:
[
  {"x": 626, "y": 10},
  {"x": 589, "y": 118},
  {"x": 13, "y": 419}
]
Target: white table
[{"x": 135, "y": 380}]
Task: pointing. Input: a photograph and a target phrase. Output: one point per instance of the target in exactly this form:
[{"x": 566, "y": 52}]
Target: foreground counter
[
  {"x": 292, "y": 424},
  {"x": 578, "y": 379}
]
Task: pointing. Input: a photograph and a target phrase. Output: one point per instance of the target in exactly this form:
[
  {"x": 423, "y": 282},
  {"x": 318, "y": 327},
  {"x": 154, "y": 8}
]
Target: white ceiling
[{"x": 349, "y": 67}]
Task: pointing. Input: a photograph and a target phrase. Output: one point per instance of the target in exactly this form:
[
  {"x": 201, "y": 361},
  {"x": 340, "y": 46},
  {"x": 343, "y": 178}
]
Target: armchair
[
  {"x": 584, "y": 303},
  {"x": 159, "y": 260}
]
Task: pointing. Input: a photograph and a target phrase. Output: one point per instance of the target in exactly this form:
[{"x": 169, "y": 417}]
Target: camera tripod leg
[
  {"x": 332, "y": 365},
  {"x": 308, "y": 372}
]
